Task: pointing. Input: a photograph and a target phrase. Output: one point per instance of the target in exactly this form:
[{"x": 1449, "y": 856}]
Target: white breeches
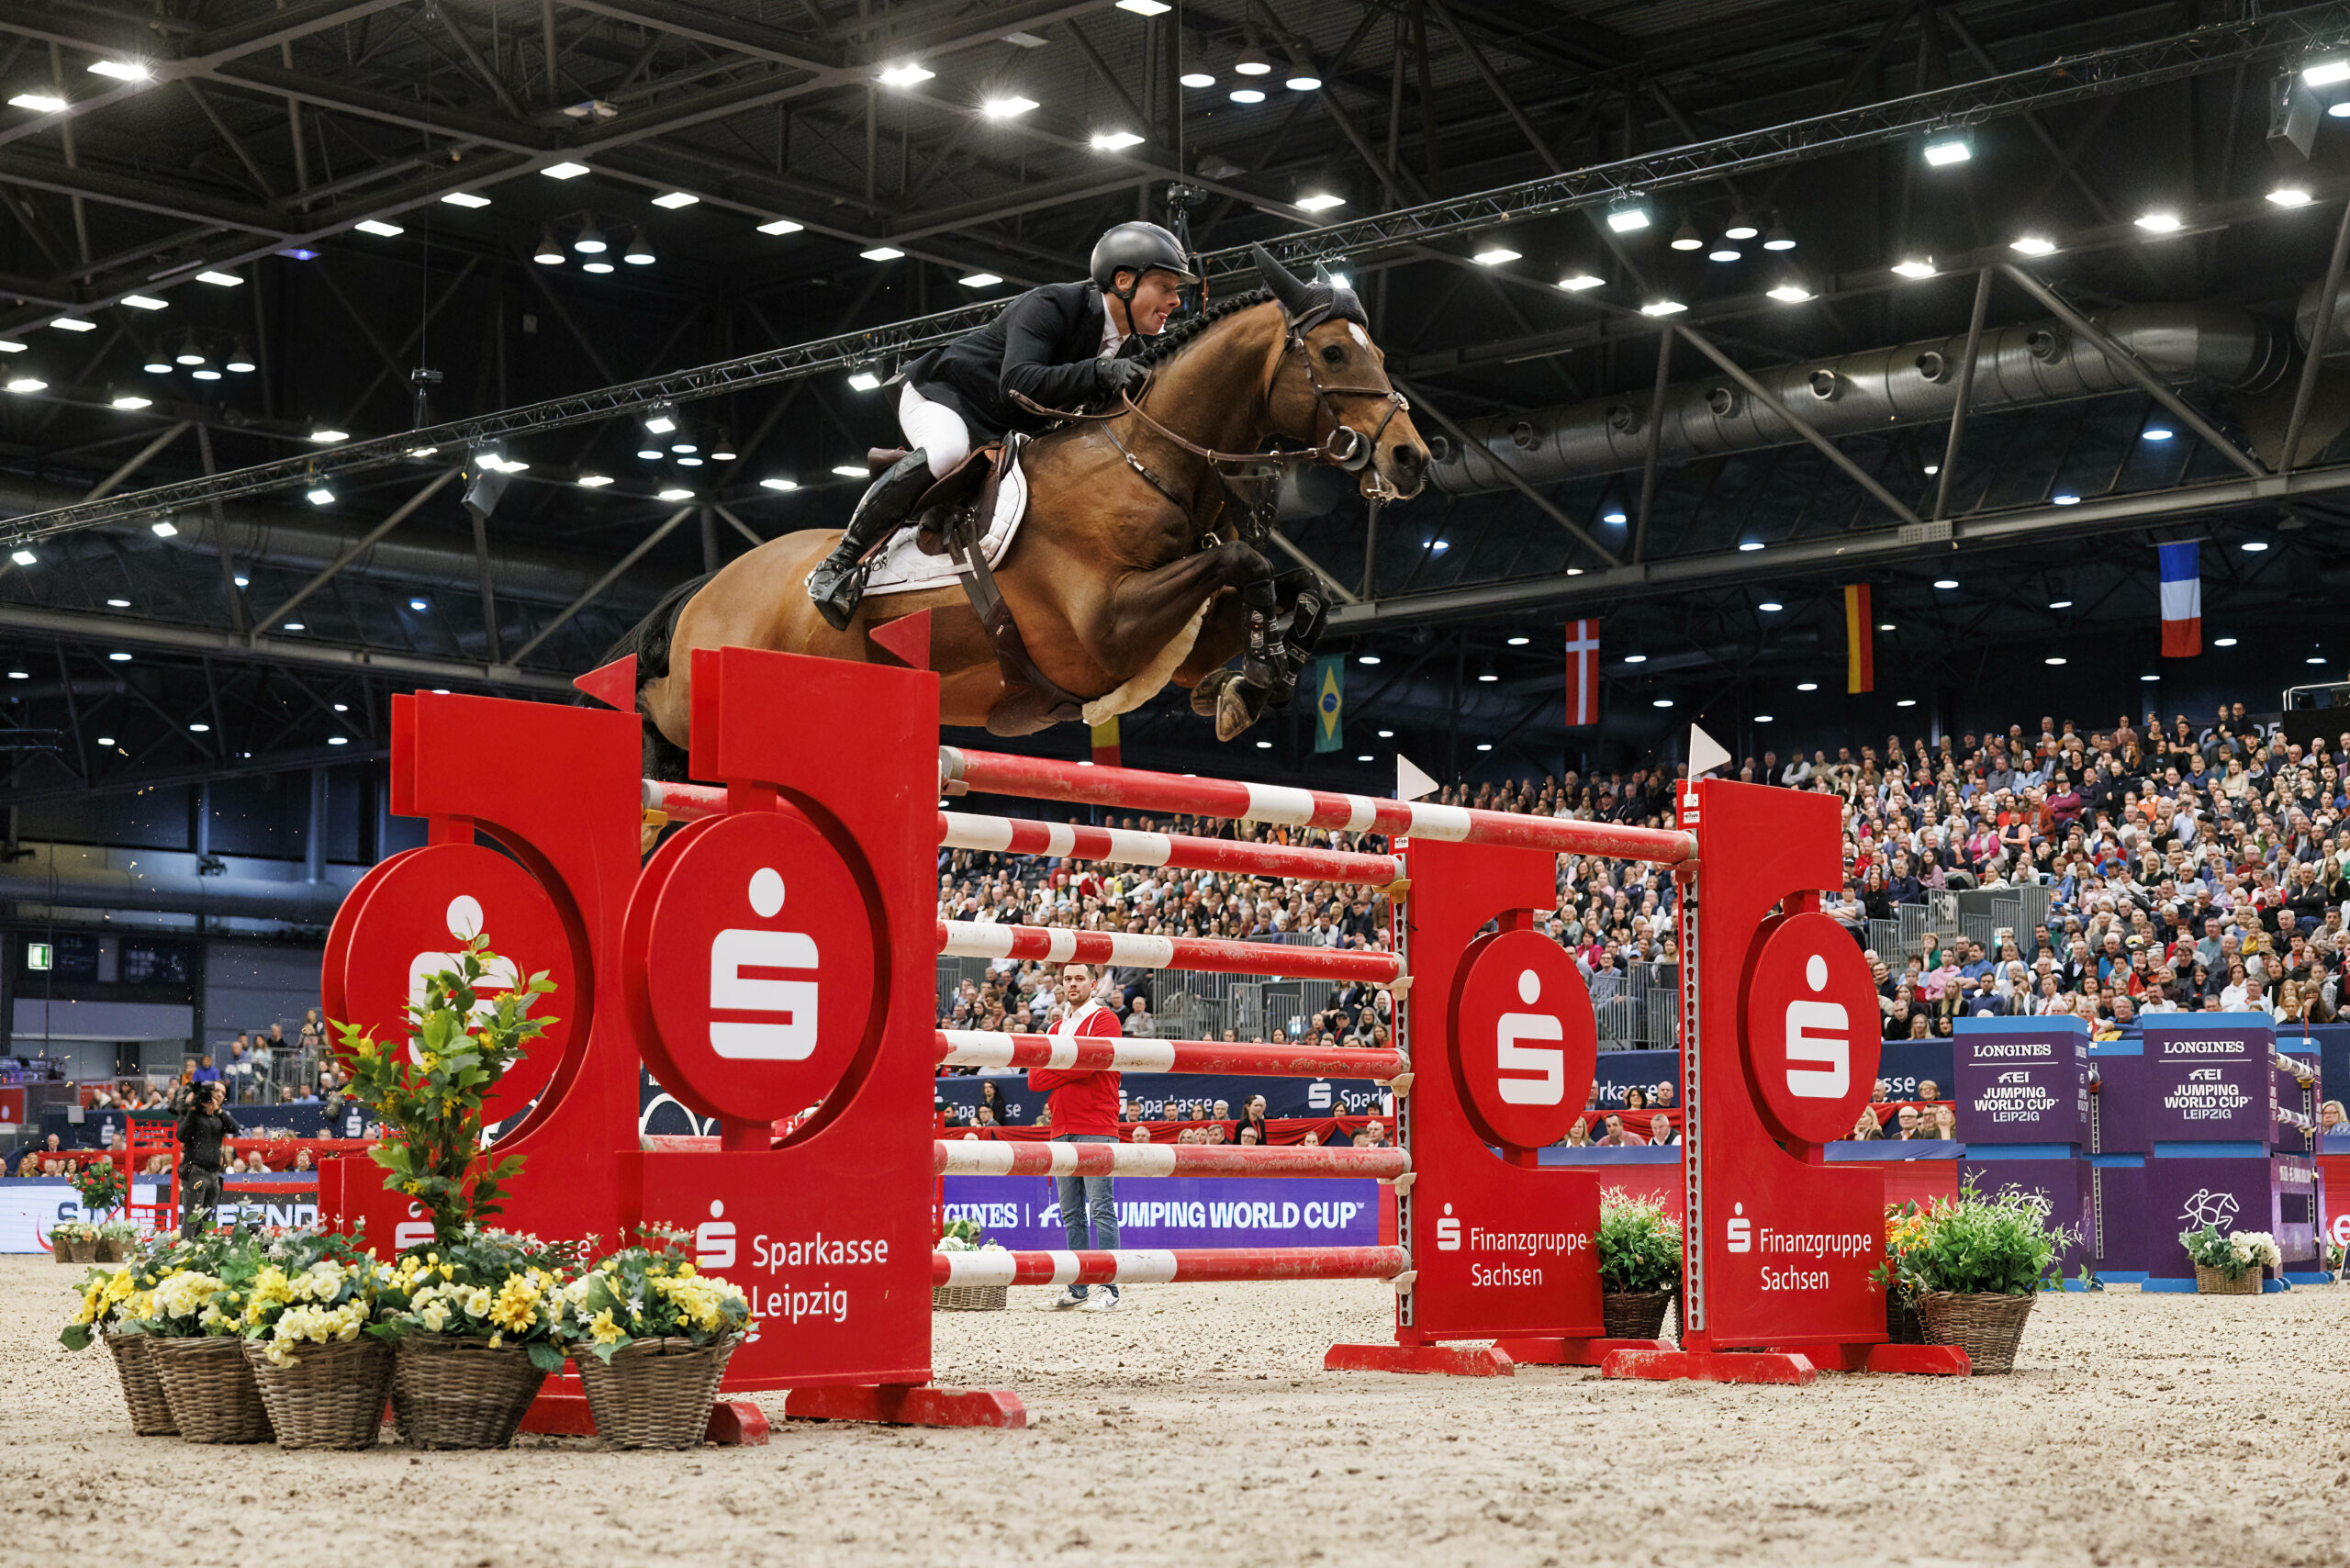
[{"x": 936, "y": 429}]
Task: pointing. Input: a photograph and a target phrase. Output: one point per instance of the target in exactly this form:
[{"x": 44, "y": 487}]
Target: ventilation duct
[{"x": 2020, "y": 366}]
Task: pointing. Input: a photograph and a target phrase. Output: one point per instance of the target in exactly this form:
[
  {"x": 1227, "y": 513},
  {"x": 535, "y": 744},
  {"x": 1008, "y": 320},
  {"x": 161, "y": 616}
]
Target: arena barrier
[{"x": 771, "y": 965}]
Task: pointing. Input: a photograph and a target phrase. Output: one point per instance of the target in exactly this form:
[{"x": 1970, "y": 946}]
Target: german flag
[{"x": 1860, "y": 640}]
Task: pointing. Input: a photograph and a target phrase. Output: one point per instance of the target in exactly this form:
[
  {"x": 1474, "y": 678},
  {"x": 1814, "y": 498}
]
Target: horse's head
[{"x": 1331, "y": 387}]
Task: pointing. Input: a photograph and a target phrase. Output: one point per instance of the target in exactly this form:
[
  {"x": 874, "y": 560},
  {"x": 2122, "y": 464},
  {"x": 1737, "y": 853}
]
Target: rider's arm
[{"x": 1029, "y": 328}]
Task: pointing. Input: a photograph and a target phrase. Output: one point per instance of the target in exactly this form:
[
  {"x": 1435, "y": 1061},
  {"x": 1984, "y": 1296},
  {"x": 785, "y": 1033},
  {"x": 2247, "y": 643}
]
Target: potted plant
[
  {"x": 475, "y": 1322},
  {"x": 2233, "y": 1264},
  {"x": 651, "y": 1337},
  {"x": 195, "y": 1321},
  {"x": 1639, "y": 1264},
  {"x": 965, "y": 1236},
  {"x": 117, "y": 1240},
  {"x": 1905, "y": 1227},
  {"x": 311, "y": 1336},
  {"x": 113, "y": 1300},
  {"x": 100, "y": 1186},
  {"x": 1971, "y": 1269}
]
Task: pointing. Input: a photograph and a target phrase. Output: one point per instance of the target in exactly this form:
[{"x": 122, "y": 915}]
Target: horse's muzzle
[{"x": 1396, "y": 474}]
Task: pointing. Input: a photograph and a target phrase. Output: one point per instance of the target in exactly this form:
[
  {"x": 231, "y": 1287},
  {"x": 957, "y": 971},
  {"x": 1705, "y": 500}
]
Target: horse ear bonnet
[{"x": 1308, "y": 305}]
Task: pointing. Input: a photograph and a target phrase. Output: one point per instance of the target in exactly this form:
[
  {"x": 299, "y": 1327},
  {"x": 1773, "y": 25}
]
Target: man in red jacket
[{"x": 1084, "y": 1109}]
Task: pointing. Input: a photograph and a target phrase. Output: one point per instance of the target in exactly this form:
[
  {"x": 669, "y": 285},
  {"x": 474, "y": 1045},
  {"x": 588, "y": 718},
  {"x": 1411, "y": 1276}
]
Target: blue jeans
[{"x": 1089, "y": 1199}]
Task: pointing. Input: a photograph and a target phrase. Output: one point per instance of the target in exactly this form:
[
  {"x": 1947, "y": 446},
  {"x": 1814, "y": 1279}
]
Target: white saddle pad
[{"x": 904, "y": 568}]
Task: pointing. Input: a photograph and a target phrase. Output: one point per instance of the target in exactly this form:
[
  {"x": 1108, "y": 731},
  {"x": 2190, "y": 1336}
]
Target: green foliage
[
  {"x": 1639, "y": 1244},
  {"x": 100, "y": 1184},
  {"x": 2002, "y": 1245},
  {"x": 199, "y": 1288},
  {"x": 2232, "y": 1254},
  {"x": 428, "y": 1092},
  {"x": 488, "y": 1284},
  {"x": 648, "y": 1292}
]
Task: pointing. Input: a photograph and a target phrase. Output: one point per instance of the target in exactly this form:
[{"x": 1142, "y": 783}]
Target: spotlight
[
  {"x": 2161, "y": 222},
  {"x": 1615, "y": 517},
  {"x": 120, "y": 70},
  {"x": 1663, "y": 307},
  {"x": 777, "y": 484},
  {"x": 1627, "y": 215},
  {"x": 27, "y": 384},
  {"x": 39, "y": 103},
  {"x": 132, "y": 401},
  {"x": 1725, "y": 253},
  {"x": 2291, "y": 195},
  {"x": 593, "y": 482},
  {"x": 1114, "y": 140},
  {"x": 662, "y": 419},
  {"x": 1687, "y": 237},
  {"x": 1741, "y": 228},
  {"x": 24, "y": 557},
  {"x": 905, "y": 75},
  {"x": 1011, "y": 107},
  {"x": 1945, "y": 147},
  {"x": 1945, "y": 583},
  {"x": 1781, "y": 237},
  {"x": 1915, "y": 266},
  {"x": 327, "y": 435},
  {"x": 2033, "y": 246},
  {"x": 2154, "y": 432},
  {"x": 1196, "y": 79},
  {"x": 2326, "y": 72},
  {"x": 2066, "y": 499},
  {"x": 1579, "y": 279},
  {"x": 852, "y": 471},
  {"x": 639, "y": 251},
  {"x": 591, "y": 238},
  {"x": 864, "y": 380},
  {"x": 1493, "y": 256},
  {"x": 165, "y": 528},
  {"x": 219, "y": 279},
  {"x": 1247, "y": 96},
  {"x": 322, "y": 496},
  {"x": 675, "y": 493},
  {"x": 240, "y": 362},
  {"x": 1320, "y": 201},
  {"x": 1791, "y": 291},
  {"x": 549, "y": 250}
]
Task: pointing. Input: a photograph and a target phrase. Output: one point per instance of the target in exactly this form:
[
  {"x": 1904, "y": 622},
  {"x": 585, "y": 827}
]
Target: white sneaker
[
  {"x": 1061, "y": 1303},
  {"x": 1102, "y": 1301}
]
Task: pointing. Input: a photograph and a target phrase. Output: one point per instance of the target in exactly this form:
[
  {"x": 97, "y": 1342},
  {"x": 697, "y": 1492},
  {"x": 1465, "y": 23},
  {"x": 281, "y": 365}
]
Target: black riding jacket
[
  {"x": 202, "y": 1134},
  {"x": 1043, "y": 346}
]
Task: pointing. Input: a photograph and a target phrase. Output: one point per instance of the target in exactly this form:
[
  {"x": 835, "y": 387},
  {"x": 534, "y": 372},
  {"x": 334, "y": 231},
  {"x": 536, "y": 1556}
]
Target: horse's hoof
[
  {"x": 1203, "y": 696},
  {"x": 1238, "y": 706}
]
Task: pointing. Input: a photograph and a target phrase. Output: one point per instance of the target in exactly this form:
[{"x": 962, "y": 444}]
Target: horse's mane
[{"x": 1180, "y": 333}]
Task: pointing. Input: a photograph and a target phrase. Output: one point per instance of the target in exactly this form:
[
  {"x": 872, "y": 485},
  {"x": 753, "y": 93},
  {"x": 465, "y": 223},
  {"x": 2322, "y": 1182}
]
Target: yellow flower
[
  {"x": 516, "y": 1307},
  {"x": 604, "y": 1330}
]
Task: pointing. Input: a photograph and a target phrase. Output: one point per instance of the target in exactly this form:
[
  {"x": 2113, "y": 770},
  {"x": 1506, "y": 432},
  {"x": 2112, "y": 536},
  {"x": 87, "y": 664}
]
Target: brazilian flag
[{"x": 1329, "y": 704}]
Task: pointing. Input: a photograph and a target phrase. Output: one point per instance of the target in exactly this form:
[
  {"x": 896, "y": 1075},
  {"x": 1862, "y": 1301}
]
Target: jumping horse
[{"x": 1137, "y": 561}]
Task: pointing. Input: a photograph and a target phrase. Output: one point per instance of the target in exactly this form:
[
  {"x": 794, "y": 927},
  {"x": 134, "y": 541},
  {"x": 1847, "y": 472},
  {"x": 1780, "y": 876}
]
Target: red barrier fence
[
  {"x": 1133, "y": 790},
  {"x": 1058, "y": 944},
  {"x": 978, "y": 1157},
  {"x": 1130, "y": 846},
  {"x": 988, "y": 1047}
]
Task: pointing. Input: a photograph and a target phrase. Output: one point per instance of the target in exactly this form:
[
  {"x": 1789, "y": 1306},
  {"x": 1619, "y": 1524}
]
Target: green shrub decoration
[
  {"x": 1639, "y": 1245},
  {"x": 2000, "y": 1245}
]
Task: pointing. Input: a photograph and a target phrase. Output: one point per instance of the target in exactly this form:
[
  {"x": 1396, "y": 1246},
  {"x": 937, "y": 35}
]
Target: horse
[{"x": 1131, "y": 565}]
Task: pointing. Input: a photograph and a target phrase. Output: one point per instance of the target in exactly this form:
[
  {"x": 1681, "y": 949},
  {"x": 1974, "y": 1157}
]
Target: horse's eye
[{"x": 1334, "y": 354}]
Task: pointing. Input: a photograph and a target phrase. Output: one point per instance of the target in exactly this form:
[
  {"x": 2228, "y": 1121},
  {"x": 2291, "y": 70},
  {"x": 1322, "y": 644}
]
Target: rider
[{"x": 1061, "y": 345}]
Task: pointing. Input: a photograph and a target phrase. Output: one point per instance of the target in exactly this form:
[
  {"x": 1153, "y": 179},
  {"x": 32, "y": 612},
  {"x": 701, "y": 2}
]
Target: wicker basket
[
  {"x": 151, "y": 1413},
  {"x": 211, "y": 1390},
  {"x": 1987, "y": 1327},
  {"x": 327, "y": 1396},
  {"x": 111, "y": 1250},
  {"x": 969, "y": 1298},
  {"x": 1901, "y": 1324},
  {"x": 1634, "y": 1314},
  {"x": 2215, "y": 1281},
  {"x": 655, "y": 1393},
  {"x": 85, "y": 1250},
  {"x": 461, "y": 1394}
]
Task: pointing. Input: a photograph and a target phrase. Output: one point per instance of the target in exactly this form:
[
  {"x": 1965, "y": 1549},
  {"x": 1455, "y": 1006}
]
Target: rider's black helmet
[{"x": 1138, "y": 247}]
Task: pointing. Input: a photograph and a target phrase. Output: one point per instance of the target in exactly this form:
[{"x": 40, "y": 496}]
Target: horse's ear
[{"x": 1296, "y": 297}]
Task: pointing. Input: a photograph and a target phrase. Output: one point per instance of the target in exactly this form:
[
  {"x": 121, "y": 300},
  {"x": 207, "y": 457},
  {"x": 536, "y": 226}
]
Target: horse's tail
[{"x": 649, "y": 640}]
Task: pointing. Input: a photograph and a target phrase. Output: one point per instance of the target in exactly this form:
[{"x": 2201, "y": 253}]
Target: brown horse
[{"x": 1130, "y": 568}]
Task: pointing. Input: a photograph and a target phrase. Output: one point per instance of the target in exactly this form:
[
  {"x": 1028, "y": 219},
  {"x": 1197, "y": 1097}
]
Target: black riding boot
[{"x": 836, "y": 585}]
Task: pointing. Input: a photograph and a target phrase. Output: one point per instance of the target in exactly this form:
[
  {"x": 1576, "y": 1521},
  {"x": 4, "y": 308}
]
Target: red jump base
[
  {"x": 908, "y": 1404},
  {"x": 1546, "y": 1350},
  {"x": 1710, "y": 1366},
  {"x": 1448, "y": 1361}
]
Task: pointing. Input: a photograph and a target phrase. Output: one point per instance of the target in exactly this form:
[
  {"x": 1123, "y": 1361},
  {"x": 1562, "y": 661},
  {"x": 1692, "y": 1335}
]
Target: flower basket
[
  {"x": 454, "y": 1393},
  {"x": 110, "y": 1250},
  {"x": 1901, "y": 1324},
  {"x": 655, "y": 1393},
  {"x": 151, "y": 1413},
  {"x": 325, "y": 1396},
  {"x": 1987, "y": 1325},
  {"x": 210, "y": 1389},
  {"x": 1634, "y": 1314},
  {"x": 76, "y": 1248},
  {"x": 969, "y": 1298},
  {"x": 2215, "y": 1281}
]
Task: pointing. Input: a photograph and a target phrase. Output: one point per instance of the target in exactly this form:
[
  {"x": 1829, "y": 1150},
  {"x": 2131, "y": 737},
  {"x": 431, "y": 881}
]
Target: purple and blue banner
[{"x": 1022, "y": 1213}]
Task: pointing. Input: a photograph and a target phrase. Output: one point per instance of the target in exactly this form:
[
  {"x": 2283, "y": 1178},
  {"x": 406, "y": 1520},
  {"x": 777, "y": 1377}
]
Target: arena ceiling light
[
  {"x": 1945, "y": 147},
  {"x": 1790, "y": 291},
  {"x": 1748, "y": 546},
  {"x": 586, "y": 482},
  {"x": 218, "y": 279},
  {"x": 1321, "y": 201},
  {"x": 1915, "y": 266},
  {"x": 563, "y": 170},
  {"x": 1009, "y": 106},
  {"x": 1252, "y": 62},
  {"x": 1247, "y": 96},
  {"x": 978, "y": 280},
  {"x": 1627, "y": 215},
  {"x": 639, "y": 251},
  {"x": 1305, "y": 82},
  {"x": 906, "y": 74},
  {"x": 777, "y": 482},
  {"x": 73, "y": 324},
  {"x": 465, "y": 199},
  {"x": 1580, "y": 278},
  {"x": 1781, "y": 238},
  {"x": 864, "y": 380},
  {"x": 2291, "y": 195},
  {"x": 2254, "y": 547},
  {"x": 1146, "y": 7},
  {"x": 40, "y": 103},
  {"x": 1114, "y": 140},
  {"x": 661, "y": 421},
  {"x": 591, "y": 241},
  {"x": 1770, "y": 607},
  {"x": 1741, "y": 227},
  {"x": 674, "y": 200},
  {"x": 1662, "y": 702},
  {"x": 159, "y": 363},
  {"x": 26, "y": 558},
  {"x": 145, "y": 302},
  {"x": 120, "y": 70},
  {"x": 549, "y": 250},
  {"x": 1762, "y": 718},
  {"x": 320, "y": 495},
  {"x": 1663, "y": 307},
  {"x": 165, "y": 528},
  {"x": 2156, "y": 432},
  {"x": 1687, "y": 237},
  {"x": 1724, "y": 253},
  {"x": 130, "y": 402},
  {"x": 378, "y": 228},
  {"x": 1635, "y": 658},
  {"x": 2326, "y": 72},
  {"x": 1196, "y": 79},
  {"x": 1615, "y": 517},
  {"x": 597, "y": 265},
  {"x": 1946, "y": 584},
  {"x": 2033, "y": 246},
  {"x": 2053, "y": 659},
  {"x": 1906, "y": 702},
  {"x": 2223, "y": 642},
  {"x": 1494, "y": 255},
  {"x": 2066, "y": 499},
  {"x": 327, "y": 435},
  {"x": 852, "y": 471},
  {"x": 882, "y": 253},
  {"x": 2060, "y": 604},
  {"x": 675, "y": 493},
  {"x": 1520, "y": 642},
  {"x": 2161, "y": 221}
]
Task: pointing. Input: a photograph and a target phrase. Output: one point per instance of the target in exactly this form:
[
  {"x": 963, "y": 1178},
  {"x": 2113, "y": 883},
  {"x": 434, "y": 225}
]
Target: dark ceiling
[{"x": 260, "y": 136}]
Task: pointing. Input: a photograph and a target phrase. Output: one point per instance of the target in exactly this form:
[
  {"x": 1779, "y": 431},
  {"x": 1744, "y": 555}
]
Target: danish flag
[{"x": 1583, "y": 673}]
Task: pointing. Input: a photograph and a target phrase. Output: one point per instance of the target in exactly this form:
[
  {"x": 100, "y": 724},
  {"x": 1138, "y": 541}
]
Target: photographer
[{"x": 203, "y": 1132}]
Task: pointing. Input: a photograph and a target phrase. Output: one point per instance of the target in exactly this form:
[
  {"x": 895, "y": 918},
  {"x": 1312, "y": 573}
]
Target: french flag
[{"x": 2182, "y": 600}]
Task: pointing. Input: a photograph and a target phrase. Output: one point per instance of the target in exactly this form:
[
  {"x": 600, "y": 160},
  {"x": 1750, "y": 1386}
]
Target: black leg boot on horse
[{"x": 838, "y": 582}]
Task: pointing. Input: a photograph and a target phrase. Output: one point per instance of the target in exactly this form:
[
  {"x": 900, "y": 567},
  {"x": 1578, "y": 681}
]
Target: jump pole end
[
  {"x": 614, "y": 685},
  {"x": 1445, "y": 1361}
]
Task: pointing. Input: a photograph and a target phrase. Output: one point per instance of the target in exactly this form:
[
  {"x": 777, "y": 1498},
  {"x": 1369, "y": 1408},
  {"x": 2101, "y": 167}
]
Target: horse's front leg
[{"x": 1163, "y": 617}]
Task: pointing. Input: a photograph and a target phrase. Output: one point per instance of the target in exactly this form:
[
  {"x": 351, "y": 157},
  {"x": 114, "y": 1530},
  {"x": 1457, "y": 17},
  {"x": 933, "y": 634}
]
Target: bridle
[{"x": 1344, "y": 447}]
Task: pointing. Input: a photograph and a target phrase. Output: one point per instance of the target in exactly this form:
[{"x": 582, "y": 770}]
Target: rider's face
[{"x": 1157, "y": 297}]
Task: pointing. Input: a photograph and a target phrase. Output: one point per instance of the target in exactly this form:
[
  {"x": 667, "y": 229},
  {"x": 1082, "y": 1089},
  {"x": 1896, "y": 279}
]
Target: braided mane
[{"x": 1184, "y": 329}]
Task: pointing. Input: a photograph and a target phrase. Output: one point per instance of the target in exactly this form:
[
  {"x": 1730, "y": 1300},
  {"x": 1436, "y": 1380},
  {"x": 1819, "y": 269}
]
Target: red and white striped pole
[
  {"x": 1198, "y": 1265},
  {"x": 1057, "y": 944},
  {"x": 1128, "y": 846},
  {"x": 1087, "y": 1053},
  {"x": 987, "y": 1157},
  {"x": 1134, "y": 789}
]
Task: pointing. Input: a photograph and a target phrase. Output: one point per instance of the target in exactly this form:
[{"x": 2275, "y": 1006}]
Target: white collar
[
  {"x": 1069, "y": 1024},
  {"x": 1111, "y": 338}
]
